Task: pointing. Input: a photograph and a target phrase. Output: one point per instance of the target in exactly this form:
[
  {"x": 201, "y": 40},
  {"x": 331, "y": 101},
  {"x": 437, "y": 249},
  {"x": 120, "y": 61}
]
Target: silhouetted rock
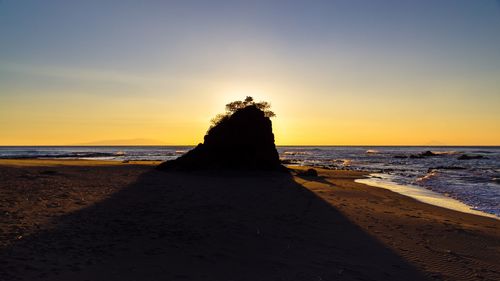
[
  {"x": 243, "y": 140},
  {"x": 288, "y": 162},
  {"x": 470, "y": 157},
  {"x": 400, "y": 156},
  {"x": 424, "y": 155},
  {"x": 428, "y": 154},
  {"x": 309, "y": 173}
]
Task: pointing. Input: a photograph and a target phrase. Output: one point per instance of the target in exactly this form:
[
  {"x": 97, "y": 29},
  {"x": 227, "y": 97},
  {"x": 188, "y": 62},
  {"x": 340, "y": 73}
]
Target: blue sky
[{"x": 325, "y": 59}]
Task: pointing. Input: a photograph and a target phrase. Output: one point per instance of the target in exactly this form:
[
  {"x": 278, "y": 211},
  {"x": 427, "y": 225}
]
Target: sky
[{"x": 352, "y": 72}]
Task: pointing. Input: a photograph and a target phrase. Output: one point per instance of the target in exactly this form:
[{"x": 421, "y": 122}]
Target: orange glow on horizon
[{"x": 134, "y": 121}]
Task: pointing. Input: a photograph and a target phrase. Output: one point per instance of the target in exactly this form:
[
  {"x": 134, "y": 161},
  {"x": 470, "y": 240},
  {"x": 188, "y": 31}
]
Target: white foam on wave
[
  {"x": 427, "y": 177},
  {"x": 421, "y": 194},
  {"x": 451, "y": 152},
  {"x": 296, "y": 153}
]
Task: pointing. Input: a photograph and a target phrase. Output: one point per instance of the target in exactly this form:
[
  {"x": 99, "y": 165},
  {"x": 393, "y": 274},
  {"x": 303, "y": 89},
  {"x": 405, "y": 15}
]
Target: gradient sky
[{"x": 336, "y": 72}]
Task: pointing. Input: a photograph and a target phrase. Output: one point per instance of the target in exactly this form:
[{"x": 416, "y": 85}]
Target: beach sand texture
[{"x": 96, "y": 220}]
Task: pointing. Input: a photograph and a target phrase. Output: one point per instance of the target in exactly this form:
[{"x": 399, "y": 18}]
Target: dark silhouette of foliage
[
  {"x": 218, "y": 119},
  {"x": 234, "y": 106}
]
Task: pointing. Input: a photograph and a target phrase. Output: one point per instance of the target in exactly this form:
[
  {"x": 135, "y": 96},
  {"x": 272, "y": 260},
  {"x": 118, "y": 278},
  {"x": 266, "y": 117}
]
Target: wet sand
[{"x": 97, "y": 220}]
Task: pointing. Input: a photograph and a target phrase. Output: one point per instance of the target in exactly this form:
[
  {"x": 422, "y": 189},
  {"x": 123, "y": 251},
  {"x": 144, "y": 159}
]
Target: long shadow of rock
[
  {"x": 174, "y": 226},
  {"x": 319, "y": 179}
]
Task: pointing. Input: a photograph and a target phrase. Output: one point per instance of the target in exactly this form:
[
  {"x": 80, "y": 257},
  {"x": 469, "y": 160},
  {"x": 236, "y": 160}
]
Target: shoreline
[
  {"x": 77, "y": 162},
  {"x": 341, "y": 225},
  {"x": 423, "y": 195}
]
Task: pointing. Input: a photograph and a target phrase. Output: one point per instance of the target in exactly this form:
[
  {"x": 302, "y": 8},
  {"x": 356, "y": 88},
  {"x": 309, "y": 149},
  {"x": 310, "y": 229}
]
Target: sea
[{"x": 469, "y": 175}]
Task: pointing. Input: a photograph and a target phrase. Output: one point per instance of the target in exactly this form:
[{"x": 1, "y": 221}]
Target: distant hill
[{"x": 125, "y": 142}]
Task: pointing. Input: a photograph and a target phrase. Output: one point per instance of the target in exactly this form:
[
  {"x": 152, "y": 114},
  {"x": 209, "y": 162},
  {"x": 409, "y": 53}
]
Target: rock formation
[
  {"x": 308, "y": 173},
  {"x": 241, "y": 140},
  {"x": 424, "y": 155},
  {"x": 471, "y": 157}
]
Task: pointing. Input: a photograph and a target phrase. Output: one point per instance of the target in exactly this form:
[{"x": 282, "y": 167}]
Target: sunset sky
[{"x": 336, "y": 72}]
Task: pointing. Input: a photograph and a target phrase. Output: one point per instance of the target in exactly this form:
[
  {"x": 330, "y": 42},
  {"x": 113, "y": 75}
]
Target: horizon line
[{"x": 278, "y": 145}]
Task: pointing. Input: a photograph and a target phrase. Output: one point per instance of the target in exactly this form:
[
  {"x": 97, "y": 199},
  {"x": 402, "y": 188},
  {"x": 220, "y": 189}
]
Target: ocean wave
[
  {"x": 63, "y": 155},
  {"x": 342, "y": 162},
  {"x": 296, "y": 153},
  {"x": 429, "y": 176},
  {"x": 451, "y": 152}
]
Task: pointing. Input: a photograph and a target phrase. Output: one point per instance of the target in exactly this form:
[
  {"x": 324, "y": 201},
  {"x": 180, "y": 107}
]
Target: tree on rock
[{"x": 232, "y": 107}]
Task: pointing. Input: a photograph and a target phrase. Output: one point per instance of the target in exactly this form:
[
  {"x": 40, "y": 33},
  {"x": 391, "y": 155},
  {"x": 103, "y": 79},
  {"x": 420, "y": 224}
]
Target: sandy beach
[{"x": 105, "y": 220}]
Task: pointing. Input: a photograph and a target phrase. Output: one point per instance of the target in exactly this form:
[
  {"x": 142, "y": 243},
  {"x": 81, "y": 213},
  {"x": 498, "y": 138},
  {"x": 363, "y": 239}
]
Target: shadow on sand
[{"x": 175, "y": 226}]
